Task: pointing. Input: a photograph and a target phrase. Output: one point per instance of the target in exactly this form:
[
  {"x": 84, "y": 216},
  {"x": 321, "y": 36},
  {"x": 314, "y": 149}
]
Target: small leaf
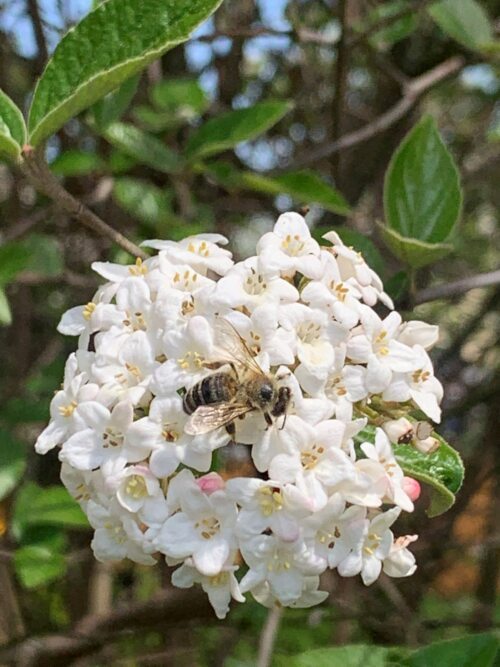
[
  {"x": 442, "y": 471},
  {"x": 466, "y": 21},
  {"x": 143, "y": 147},
  {"x": 144, "y": 201},
  {"x": 112, "y": 43},
  {"x": 113, "y": 106},
  {"x": 183, "y": 98},
  {"x": 228, "y": 130},
  {"x": 38, "y": 565},
  {"x": 397, "y": 29},
  {"x": 45, "y": 506},
  {"x": 470, "y": 651},
  {"x": 413, "y": 252},
  {"x": 305, "y": 186},
  {"x": 12, "y": 128},
  {"x": 422, "y": 196},
  {"x": 75, "y": 162},
  {"x": 12, "y": 463},
  {"x": 5, "y": 312}
]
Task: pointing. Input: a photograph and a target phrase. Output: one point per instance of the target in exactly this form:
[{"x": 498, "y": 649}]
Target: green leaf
[
  {"x": 154, "y": 121},
  {"x": 395, "y": 31},
  {"x": 183, "y": 98},
  {"x": 305, "y": 186},
  {"x": 398, "y": 285},
  {"x": 342, "y": 656},
  {"x": 13, "y": 259},
  {"x": 44, "y": 255},
  {"x": 46, "y": 506},
  {"x": 442, "y": 471},
  {"x": 12, "y": 128},
  {"x": 12, "y": 463},
  {"x": 144, "y": 201},
  {"x": 113, "y": 106},
  {"x": 111, "y": 44},
  {"x": 466, "y": 21},
  {"x": 413, "y": 252},
  {"x": 470, "y": 651},
  {"x": 422, "y": 196},
  {"x": 5, "y": 312},
  {"x": 143, "y": 147},
  {"x": 38, "y": 565},
  {"x": 75, "y": 162},
  {"x": 227, "y": 130}
]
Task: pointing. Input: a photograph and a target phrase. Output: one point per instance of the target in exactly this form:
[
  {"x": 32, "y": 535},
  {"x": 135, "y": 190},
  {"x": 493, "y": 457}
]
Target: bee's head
[{"x": 266, "y": 392}]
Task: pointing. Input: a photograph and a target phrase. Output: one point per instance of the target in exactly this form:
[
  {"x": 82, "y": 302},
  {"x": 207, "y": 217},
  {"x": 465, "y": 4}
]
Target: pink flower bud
[
  {"x": 399, "y": 431},
  {"x": 210, "y": 483},
  {"x": 412, "y": 488}
]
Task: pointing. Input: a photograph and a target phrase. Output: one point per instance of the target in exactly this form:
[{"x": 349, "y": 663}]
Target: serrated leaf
[
  {"x": 471, "y": 651},
  {"x": 5, "y": 312},
  {"x": 143, "y": 147},
  {"x": 38, "y": 565},
  {"x": 422, "y": 196},
  {"x": 144, "y": 201},
  {"x": 183, "y": 98},
  {"x": 413, "y": 252},
  {"x": 228, "y": 130},
  {"x": 112, "y": 107},
  {"x": 442, "y": 471},
  {"x": 75, "y": 162},
  {"x": 12, "y": 463},
  {"x": 305, "y": 186},
  {"x": 465, "y": 21},
  {"x": 45, "y": 506},
  {"x": 12, "y": 128},
  {"x": 112, "y": 43}
]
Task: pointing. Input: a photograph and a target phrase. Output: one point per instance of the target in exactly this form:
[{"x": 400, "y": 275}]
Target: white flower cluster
[{"x": 145, "y": 477}]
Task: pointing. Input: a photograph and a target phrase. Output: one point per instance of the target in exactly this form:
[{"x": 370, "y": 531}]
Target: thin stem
[
  {"x": 449, "y": 290},
  {"x": 268, "y": 636},
  {"x": 42, "y": 178}
]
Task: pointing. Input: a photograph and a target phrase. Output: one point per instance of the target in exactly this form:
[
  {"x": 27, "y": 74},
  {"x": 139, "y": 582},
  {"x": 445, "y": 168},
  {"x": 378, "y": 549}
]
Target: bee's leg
[
  {"x": 231, "y": 429},
  {"x": 268, "y": 418}
]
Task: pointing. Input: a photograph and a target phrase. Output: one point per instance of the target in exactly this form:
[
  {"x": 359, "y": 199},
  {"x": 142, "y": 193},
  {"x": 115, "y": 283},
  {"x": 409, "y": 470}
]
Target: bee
[{"x": 222, "y": 397}]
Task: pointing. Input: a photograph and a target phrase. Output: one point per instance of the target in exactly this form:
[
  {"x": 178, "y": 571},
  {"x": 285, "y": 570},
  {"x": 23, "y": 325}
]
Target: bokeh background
[{"x": 50, "y": 585}]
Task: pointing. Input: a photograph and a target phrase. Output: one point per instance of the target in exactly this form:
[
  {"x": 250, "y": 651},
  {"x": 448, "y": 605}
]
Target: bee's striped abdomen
[{"x": 217, "y": 388}]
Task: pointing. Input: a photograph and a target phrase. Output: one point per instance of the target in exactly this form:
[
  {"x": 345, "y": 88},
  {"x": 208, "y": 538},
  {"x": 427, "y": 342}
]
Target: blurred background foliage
[{"x": 222, "y": 134}]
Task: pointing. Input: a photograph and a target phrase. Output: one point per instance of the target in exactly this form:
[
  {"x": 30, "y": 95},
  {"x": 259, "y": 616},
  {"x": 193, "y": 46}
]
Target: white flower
[
  {"x": 201, "y": 252},
  {"x": 290, "y": 248},
  {"x": 418, "y": 333},
  {"x": 220, "y": 588},
  {"x": 203, "y": 529},
  {"x": 283, "y": 565},
  {"x": 372, "y": 550},
  {"x": 309, "y": 597},
  {"x": 400, "y": 562}
]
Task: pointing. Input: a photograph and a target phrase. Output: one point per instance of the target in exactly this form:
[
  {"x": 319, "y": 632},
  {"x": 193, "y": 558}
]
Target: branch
[
  {"x": 92, "y": 632},
  {"x": 340, "y": 80},
  {"x": 42, "y": 178},
  {"x": 449, "y": 290},
  {"x": 41, "y": 42},
  {"x": 413, "y": 90}
]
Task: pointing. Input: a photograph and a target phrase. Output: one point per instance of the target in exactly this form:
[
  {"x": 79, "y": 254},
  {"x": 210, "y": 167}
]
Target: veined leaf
[
  {"x": 112, "y": 43},
  {"x": 422, "y": 196},
  {"x": 413, "y": 252},
  {"x": 465, "y": 21},
  {"x": 12, "y": 128},
  {"x": 228, "y": 130},
  {"x": 143, "y": 147},
  {"x": 471, "y": 651}
]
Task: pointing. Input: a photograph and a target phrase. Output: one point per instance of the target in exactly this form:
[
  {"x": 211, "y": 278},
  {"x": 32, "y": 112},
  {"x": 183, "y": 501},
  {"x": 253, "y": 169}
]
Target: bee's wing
[
  {"x": 207, "y": 418},
  {"x": 234, "y": 347}
]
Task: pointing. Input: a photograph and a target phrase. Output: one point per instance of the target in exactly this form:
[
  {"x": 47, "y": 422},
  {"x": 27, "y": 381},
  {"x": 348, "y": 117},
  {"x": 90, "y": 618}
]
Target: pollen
[
  {"x": 138, "y": 269},
  {"x": 136, "y": 487},
  {"x": 67, "y": 410},
  {"x": 88, "y": 310}
]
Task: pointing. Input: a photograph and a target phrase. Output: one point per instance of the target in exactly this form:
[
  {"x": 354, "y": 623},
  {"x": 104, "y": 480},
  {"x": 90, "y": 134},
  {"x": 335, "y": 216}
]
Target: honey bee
[{"x": 222, "y": 397}]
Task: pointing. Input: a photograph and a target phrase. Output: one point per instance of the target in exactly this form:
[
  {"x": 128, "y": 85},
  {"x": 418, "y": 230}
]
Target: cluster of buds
[{"x": 139, "y": 458}]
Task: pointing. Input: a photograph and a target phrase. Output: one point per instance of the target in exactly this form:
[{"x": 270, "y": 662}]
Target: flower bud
[
  {"x": 427, "y": 446},
  {"x": 412, "y": 488},
  {"x": 210, "y": 483},
  {"x": 399, "y": 431}
]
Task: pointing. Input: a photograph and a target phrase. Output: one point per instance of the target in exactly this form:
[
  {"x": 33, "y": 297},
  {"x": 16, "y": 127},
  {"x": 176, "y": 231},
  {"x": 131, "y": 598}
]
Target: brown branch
[
  {"x": 340, "y": 81},
  {"x": 413, "y": 90},
  {"x": 92, "y": 632},
  {"x": 42, "y": 178},
  {"x": 41, "y": 42},
  {"x": 449, "y": 290},
  {"x": 301, "y": 34}
]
